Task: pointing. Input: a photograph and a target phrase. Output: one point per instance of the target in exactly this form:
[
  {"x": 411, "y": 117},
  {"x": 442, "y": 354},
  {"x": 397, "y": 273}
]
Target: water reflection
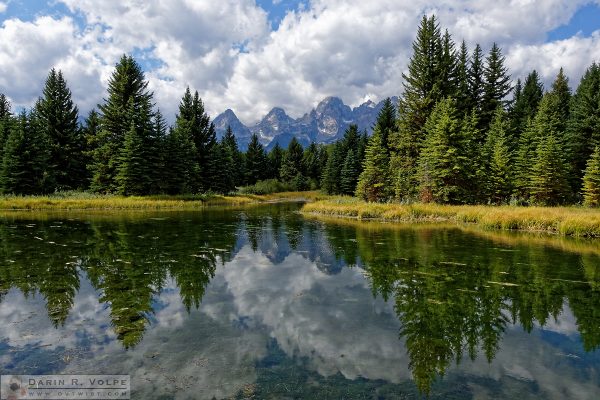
[{"x": 283, "y": 288}]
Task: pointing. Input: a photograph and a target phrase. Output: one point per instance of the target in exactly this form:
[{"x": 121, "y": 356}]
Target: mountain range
[{"x": 324, "y": 124}]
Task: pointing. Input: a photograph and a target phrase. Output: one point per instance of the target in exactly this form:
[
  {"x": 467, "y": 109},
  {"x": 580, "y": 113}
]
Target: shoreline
[
  {"x": 563, "y": 221},
  {"x": 85, "y": 201}
]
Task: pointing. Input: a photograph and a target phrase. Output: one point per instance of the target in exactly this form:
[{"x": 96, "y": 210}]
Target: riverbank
[
  {"x": 567, "y": 221},
  {"x": 90, "y": 201}
]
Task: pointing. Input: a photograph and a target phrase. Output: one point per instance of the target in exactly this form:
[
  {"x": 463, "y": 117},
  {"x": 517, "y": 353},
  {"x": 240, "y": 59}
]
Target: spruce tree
[
  {"x": 292, "y": 161},
  {"x": 275, "y": 159},
  {"x": 562, "y": 92},
  {"x": 496, "y": 85},
  {"x": 349, "y": 173},
  {"x": 546, "y": 123},
  {"x": 463, "y": 93},
  {"x": 386, "y": 123},
  {"x": 525, "y": 105},
  {"x": 256, "y": 161},
  {"x": 476, "y": 79},
  {"x": 127, "y": 85},
  {"x": 135, "y": 171},
  {"x": 311, "y": 164},
  {"x": 584, "y": 123},
  {"x": 548, "y": 176},
  {"x": 181, "y": 168},
  {"x": 374, "y": 183},
  {"x": 330, "y": 180},
  {"x": 5, "y": 122},
  {"x": 230, "y": 141},
  {"x": 442, "y": 168},
  {"x": 497, "y": 168},
  {"x": 591, "y": 180},
  {"x": 25, "y": 158},
  {"x": 58, "y": 117},
  {"x": 193, "y": 118}
]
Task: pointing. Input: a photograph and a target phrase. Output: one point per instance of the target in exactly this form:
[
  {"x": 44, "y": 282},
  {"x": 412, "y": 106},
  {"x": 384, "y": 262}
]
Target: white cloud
[
  {"x": 226, "y": 50},
  {"x": 3, "y": 7}
]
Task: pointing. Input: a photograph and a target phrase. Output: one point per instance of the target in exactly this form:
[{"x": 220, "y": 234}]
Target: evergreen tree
[
  {"x": 5, "y": 122},
  {"x": 583, "y": 128},
  {"x": 230, "y": 141},
  {"x": 349, "y": 174},
  {"x": 463, "y": 92},
  {"x": 443, "y": 162},
  {"x": 591, "y": 180},
  {"x": 256, "y": 160},
  {"x": 496, "y": 85},
  {"x": 548, "y": 176},
  {"x": 181, "y": 168},
  {"x": 91, "y": 132},
  {"x": 386, "y": 123},
  {"x": 476, "y": 79},
  {"x": 127, "y": 85},
  {"x": 292, "y": 161},
  {"x": 330, "y": 180},
  {"x": 135, "y": 171},
  {"x": 193, "y": 118},
  {"x": 311, "y": 164},
  {"x": 546, "y": 123},
  {"x": 219, "y": 168},
  {"x": 498, "y": 161},
  {"x": 562, "y": 92},
  {"x": 526, "y": 102},
  {"x": 374, "y": 183},
  {"x": 25, "y": 158},
  {"x": 275, "y": 159},
  {"x": 58, "y": 117}
]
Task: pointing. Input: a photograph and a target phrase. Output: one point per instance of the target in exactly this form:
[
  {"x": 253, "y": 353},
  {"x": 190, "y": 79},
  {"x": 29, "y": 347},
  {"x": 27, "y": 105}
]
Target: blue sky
[{"x": 239, "y": 55}]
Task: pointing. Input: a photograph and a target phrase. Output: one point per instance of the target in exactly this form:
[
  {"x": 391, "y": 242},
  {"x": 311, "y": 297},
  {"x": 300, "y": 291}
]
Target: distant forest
[{"x": 460, "y": 134}]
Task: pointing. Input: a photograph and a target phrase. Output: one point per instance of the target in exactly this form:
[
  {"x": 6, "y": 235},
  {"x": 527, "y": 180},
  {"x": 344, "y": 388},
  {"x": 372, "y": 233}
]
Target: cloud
[
  {"x": 3, "y": 7},
  {"x": 228, "y": 51}
]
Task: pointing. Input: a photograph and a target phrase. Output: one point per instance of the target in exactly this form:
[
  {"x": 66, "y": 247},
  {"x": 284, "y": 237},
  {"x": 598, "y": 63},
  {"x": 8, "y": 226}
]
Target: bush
[{"x": 267, "y": 187}]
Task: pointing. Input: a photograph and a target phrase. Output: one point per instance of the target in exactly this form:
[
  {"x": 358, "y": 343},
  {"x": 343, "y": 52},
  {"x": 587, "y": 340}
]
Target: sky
[{"x": 253, "y": 55}]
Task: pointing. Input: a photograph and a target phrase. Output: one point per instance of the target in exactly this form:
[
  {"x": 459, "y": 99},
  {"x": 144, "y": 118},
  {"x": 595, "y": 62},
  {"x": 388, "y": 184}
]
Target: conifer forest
[{"x": 465, "y": 131}]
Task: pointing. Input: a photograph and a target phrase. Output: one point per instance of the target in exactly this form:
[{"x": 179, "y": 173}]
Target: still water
[{"x": 261, "y": 303}]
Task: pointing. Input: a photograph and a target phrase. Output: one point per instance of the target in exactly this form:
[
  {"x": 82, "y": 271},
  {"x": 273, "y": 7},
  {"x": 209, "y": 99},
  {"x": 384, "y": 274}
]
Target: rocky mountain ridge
[{"x": 324, "y": 124}]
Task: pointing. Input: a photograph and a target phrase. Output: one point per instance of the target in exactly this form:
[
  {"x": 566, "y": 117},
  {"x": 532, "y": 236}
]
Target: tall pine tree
[
  {"x": 591, "y": 180},
  {"x": 127, "y": 90},
  {"x": 58, "y": 117},
  {"x": 496, "y": 86}
]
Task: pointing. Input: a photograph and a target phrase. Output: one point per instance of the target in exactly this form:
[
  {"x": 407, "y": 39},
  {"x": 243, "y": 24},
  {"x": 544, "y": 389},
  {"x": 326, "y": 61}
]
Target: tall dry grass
[{"x": 568, "y": 221}]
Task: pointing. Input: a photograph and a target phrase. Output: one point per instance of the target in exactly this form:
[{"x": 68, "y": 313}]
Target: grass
[
  {"x": 91, "y": 201},
  {"x": 567, "y": 221}
]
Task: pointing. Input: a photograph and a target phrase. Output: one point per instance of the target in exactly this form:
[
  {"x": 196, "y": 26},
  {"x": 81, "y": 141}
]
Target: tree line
[
  {"x": 458, "y": 137},
  {"x": 460, "y": 134},
  {"x": 126, "y": 147}
]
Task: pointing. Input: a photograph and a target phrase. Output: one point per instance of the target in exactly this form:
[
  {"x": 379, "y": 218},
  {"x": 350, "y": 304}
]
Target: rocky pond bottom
[{"x": 260, "y": 303}]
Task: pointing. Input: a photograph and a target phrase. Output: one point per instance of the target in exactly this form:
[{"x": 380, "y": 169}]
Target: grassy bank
[
  {"x": 567, "y": 221},
  {"x": 89, "y": 201}
]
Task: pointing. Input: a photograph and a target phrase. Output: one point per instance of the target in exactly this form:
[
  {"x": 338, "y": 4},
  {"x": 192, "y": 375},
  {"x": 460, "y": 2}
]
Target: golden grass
[
  {"x": 567, "y": 221},
  {"x": 86, "y": 201}
]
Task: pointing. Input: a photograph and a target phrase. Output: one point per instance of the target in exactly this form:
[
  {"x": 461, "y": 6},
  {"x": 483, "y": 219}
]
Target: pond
[{"x": 262, "y": 303}]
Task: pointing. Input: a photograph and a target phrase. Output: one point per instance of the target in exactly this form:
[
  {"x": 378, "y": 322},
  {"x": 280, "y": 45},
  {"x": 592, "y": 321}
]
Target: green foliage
[
  {"x": 25, "y": 158},
  {"x": 237, "y": 157},
  {"x": 58, "y": 117},
  {"x": 591, "y": 180},
  {"x": 350, "y": 173},
  {"x": 548, "y": 176},
  {"x": 127, "y": 91},
  {"x": 497, "y": 170},
  {"x": 373, "y": 183},
  {"x": 583, "y": 131},
  {"x": 181, "y": 168},
  {"x": 292, "y": 161},
  {"x": 443, "y": 163},
  {"x": 256, "y": 160},
  {"x": 496, "y": 85},
  {"x": 267, "y": 186},
  {"x": 275, "y": 159}
]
